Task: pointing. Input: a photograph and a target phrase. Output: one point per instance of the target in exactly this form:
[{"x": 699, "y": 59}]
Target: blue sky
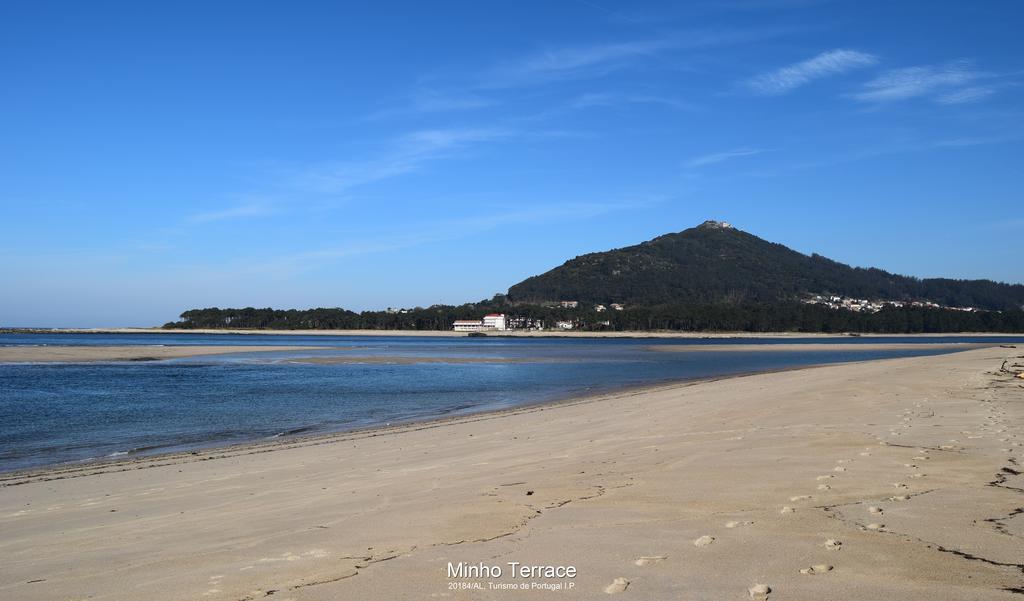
[{"x": 159, "y": 157}]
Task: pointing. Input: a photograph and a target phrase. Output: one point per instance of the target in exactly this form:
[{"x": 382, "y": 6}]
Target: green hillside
[{"x": 716, "y": 263}]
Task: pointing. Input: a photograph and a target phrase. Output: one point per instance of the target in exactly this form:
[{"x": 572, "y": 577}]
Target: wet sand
[
  {"x": 819, "y": 346},
  {"x": 892, "y": 479},
  {"x": 84, "y": 354}
]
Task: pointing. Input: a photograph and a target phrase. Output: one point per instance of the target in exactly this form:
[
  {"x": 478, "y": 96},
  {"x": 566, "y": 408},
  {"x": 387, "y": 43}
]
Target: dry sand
[
  {"x": 894, "y": 479},
  {"x": 82, "y": 354}
]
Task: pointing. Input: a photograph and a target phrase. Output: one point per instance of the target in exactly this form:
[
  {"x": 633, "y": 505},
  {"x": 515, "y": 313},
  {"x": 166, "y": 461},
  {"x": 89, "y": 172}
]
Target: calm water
[{"x": 56, "y": 413}]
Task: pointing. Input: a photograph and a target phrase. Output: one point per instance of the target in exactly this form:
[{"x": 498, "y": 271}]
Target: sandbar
[{"x": 84, "y": 354}]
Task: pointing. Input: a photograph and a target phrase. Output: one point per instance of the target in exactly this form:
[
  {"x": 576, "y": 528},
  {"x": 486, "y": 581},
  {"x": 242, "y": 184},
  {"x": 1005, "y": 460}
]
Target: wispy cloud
[
  {"x": 450, "y": 229},
  {"x": 236, "y": 212},
  {"x": 409, "y": 153},
  {"x": 605, "y": 99},
  {"x": 718, "y": 157},
  {"x": 430, "y": 101},
  {"x": 577, "y": 62},
  {"x": 966, "y": 95},
  {"x": 492, "y": 85},
  {"x": 878, "y": 149},
  {"x": 793, "y": 76},
  {"x": 755, "y": 5},
  {"x": 952, "y": 83},
  {"x": 573, "y": 62},
  {"x": 404, "y": 155}
]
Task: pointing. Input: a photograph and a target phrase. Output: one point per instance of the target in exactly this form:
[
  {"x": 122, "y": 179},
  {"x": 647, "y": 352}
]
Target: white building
[
  {"x": 569, "y": 304},
  {"x": 491, "y": 321},
  {"x": 468, "y": 325},
  {"x": 494, "y": 321}
]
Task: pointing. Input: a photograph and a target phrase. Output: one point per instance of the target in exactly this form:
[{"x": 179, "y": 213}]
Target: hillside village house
[{"x": 491, "y": 321}]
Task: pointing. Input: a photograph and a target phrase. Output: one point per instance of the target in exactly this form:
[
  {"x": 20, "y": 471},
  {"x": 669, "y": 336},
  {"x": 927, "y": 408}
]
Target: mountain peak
[
  {"x": 710, "y": 224},
  {"x": 717, "y": 263}
]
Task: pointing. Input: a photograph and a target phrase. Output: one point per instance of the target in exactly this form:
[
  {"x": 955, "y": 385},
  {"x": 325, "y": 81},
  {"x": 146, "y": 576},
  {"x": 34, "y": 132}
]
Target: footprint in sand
[
  {"x": 704, "y": 541},
  {"x": 920, "y": 458},
  {"x": 736, "y": 524},
  {"x": 759, "y": 591},
  {"x": 787, "y": 509},
  {"x": 617, "y": 586},
  {"x": 833, "y": 544},
  {"x": 800, "y": 498},
  {"x": 649, "y": 559},
  {"x": 900, "y": 485},
  {"x": 875, "y": 526},
  {"x": 825, "y": 477},
  {"x": 824, "y": 487},
  {"x": 839, "y": 468},
  {"x": 874, "y": 509},
  {"x": 865, "y": 454},
  {"x": 820, "y": 568},
  {"x": 917, "y": 475}
]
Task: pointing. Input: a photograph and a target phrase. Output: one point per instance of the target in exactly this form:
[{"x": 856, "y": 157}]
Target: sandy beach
[
  {"x": 84, "y": 354},
  {"x": 891, "y": 479}
]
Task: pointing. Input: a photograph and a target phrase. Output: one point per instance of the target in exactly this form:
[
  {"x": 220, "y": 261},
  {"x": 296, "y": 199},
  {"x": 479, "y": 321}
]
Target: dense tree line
[
  {"x": 737, "y": 317},
  {"x": 799, "y": 317}
]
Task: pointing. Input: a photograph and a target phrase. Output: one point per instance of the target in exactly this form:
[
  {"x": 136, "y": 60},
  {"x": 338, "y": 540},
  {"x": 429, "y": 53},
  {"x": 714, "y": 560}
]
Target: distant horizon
[
  {"x": 399, "y": 307},
  {"x": 160, "y": 158}
]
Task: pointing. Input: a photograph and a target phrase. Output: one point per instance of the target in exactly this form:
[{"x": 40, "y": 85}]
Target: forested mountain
[
  {"x": 711, "y": 277},
  {"x": 716, "y": 263}
]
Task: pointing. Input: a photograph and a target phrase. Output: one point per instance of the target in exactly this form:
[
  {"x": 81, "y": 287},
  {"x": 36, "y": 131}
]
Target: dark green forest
[{"x": 795, "y": 317}]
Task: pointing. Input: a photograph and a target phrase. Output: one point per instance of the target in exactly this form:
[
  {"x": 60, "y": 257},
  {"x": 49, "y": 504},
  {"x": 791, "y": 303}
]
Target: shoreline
[
  {"x": 284, "y": 442},
  {"x": 324, "y": 436},
  {"x": 900, "y": 477},
  {"x": 503, "y": 334},
  {"x": 172, "y": 451}
]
